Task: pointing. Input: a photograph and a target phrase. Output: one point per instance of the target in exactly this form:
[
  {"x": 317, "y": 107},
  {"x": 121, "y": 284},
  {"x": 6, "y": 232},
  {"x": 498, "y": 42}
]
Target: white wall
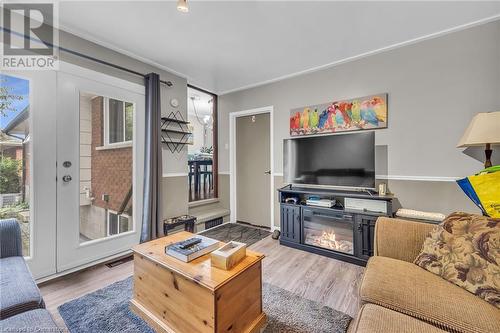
[{"x": 434, "y": 87}]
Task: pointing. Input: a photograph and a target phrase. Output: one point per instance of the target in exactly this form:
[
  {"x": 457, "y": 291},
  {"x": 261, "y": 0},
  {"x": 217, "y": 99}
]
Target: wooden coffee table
[{"x": 174, "y": 296}]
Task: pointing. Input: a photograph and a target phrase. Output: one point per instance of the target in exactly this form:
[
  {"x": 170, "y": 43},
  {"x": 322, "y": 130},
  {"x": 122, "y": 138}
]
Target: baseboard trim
[{"x": 84, "y": 266}]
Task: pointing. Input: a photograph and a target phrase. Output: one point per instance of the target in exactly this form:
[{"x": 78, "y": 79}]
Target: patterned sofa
[
  {"x": 21, "y": 305},
  {"x": 399, "y": 296}
]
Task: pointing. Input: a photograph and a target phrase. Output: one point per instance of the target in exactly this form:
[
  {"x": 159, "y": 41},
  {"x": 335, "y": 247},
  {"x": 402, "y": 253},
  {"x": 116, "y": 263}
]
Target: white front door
[
  {"x": 100, "y": 164},
  {"x": 28, "y": 158}
]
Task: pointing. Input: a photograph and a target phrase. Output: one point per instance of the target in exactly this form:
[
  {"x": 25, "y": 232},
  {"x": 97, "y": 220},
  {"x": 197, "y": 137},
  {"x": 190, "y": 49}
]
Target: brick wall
[{"x": 111, "y": 168}]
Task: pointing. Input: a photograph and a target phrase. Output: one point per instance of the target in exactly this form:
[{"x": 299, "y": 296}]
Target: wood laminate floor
[{"x": 328, "y": 281}]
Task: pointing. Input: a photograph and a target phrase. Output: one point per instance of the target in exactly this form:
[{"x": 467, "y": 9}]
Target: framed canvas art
[{"x": 369, "y": 112}]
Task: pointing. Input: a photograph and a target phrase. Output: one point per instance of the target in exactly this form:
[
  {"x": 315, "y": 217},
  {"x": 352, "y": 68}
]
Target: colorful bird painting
[
  {"x": 332, "y": 123},
  {"x": 339, "y": 117},
  {"x": 349, "y": 110},
  {"x": 305, "y": 118},
  {"x": 314, "y": 119},
  {"x": 368, "y": 114},
  {"x": 380, "y": 108},
  {"x": 295, "y": 121},
  {"x": 345, "y": 115},
  {"x": 343, "y": 107},
  {"x": 356, "y": 112},
  {"x": 323, "y": 119}
]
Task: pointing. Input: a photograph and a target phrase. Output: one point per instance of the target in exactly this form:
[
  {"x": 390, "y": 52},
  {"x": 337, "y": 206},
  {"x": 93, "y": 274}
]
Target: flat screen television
[{"x": 340, "y": 160}]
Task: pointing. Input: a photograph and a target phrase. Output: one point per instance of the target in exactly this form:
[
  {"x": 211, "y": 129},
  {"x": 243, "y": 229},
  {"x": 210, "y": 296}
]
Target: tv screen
[{"x": 344, "y": 160}]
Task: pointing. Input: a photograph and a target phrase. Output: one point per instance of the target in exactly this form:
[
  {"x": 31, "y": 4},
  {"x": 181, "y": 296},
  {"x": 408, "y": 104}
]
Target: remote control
[{"x": 189, "y": 242}]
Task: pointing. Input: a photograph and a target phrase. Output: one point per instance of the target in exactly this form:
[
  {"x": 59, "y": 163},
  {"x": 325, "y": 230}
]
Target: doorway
[
  {"x": 251, "y": 167},
  {"x": 100, "y": 135},
  {"x": 71, "y": 149}
]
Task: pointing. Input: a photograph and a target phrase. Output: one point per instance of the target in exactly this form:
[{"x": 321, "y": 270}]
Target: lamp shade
[{"x": 484, "y": 128}]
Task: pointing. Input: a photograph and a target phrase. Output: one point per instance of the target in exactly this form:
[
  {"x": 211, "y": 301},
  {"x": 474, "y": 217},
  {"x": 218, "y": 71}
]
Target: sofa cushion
[
  {"x": 30, "y": 321},
  {"x": 18, "y": 291},
  {"x": 465, "y": 250},
  {"x": 409, "y": 289},
  {"x": 10, "y": 238},
  {"x": 373, "y": 319}
]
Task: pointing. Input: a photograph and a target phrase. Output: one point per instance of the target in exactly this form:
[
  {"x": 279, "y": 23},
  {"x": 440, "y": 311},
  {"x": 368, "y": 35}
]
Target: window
[
  {"x": 15, "y": 156},
  {"x": 118, "y": 121},
  {"x": 117, "y": 224}
]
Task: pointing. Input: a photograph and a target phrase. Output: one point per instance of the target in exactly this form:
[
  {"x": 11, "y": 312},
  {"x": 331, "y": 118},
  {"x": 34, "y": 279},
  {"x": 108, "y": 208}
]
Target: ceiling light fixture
[{"x": 182, "y": 6}]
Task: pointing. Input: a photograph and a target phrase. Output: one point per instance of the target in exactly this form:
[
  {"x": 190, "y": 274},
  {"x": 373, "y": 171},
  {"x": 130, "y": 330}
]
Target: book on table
[{"x": 192, "y": 248}]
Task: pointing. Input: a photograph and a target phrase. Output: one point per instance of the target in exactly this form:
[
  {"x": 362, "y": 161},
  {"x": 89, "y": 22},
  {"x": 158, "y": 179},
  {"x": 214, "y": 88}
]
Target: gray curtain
[{"x": 151, "y": 217}]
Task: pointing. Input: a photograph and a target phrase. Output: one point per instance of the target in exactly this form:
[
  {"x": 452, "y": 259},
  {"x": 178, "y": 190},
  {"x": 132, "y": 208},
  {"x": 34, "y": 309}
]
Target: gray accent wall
[{"x": 435, "y": 87}]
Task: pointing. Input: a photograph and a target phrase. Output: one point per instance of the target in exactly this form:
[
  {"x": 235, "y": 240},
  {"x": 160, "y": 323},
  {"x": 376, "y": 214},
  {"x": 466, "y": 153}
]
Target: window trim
[
  {"x": 106, "y": 132},
  {"x": 108, "y": 212}
]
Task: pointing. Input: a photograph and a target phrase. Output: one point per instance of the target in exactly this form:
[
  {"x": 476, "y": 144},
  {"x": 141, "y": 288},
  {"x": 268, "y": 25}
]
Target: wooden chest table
[{"x": 174, "y": 296}]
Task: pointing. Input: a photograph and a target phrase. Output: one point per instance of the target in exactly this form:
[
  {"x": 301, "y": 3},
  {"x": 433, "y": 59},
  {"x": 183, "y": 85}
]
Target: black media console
[{"x": 344, "y": 231}]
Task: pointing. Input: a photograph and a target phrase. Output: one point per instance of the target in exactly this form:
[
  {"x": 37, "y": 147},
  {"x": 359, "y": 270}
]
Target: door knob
[
  {"x": 268, "y": 172},
  {"x": 66, "y": 178}
]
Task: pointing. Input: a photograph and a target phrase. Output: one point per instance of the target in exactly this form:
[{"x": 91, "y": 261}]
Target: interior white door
[
  {"x": 100, "y": 154},
  {"x": 28, "y": 142}
]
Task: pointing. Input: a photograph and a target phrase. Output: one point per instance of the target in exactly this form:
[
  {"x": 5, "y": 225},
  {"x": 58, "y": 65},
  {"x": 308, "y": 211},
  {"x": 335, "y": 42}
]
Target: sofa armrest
[
  {"x": 400, "y": 239},
  {"x": 10, "y": 239}
]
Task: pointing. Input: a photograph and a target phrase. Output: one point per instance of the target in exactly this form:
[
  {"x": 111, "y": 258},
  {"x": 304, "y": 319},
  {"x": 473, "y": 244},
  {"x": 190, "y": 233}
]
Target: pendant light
[{"x": 182, "y": 6}]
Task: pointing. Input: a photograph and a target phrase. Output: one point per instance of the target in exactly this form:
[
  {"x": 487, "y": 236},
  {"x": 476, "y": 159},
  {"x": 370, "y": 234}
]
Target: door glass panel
[
  {"x": 113, "y": 224},
  {"x": 116, "y": 115},
  {"x": 124, "y": 221},
  {"x": 129, "y": 121},
  {"x": 105, "y": 170},
  {"x": 15, "y": 142}
]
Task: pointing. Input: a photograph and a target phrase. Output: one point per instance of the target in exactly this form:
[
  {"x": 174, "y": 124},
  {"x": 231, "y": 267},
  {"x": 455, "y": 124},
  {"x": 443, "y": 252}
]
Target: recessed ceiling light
[{"x": 182, "y": 6}]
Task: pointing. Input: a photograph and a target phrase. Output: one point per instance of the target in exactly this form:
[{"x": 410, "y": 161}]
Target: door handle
[
  {"x": 66, "y": 178},
  {"x": 268, "y": 172}
]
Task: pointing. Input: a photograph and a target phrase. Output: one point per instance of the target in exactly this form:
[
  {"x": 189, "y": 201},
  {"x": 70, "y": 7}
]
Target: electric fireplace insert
[{"x": 329, "y": 229}]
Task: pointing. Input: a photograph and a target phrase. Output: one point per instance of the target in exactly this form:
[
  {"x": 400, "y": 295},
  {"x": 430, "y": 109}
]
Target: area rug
[
  {"x": 107, "y": 310},
  {"x": 236, "y": 232}
]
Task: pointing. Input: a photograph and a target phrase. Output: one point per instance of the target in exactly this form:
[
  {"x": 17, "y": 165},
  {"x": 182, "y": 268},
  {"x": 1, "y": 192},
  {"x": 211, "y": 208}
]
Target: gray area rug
[
  {"x": 236, "y": 232},
  {"x": 107, "y": 310}
]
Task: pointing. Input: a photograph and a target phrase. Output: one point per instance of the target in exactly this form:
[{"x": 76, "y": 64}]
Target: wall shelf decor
[{"x": 174, "y": 131}]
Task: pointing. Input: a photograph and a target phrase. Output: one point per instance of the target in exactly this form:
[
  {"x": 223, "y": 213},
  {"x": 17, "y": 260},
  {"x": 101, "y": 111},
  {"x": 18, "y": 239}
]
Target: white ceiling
[{"x": 226, "y": 46}]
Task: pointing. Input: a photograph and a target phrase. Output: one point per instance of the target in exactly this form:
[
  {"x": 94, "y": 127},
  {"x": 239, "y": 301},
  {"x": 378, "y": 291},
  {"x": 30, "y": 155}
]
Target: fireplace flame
[
  {"x": 328, "y": 239},
  {"x": 329, "y": 236}
]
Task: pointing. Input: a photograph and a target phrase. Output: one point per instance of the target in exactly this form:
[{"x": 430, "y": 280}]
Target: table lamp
[{"x": 484, "y": 129}]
